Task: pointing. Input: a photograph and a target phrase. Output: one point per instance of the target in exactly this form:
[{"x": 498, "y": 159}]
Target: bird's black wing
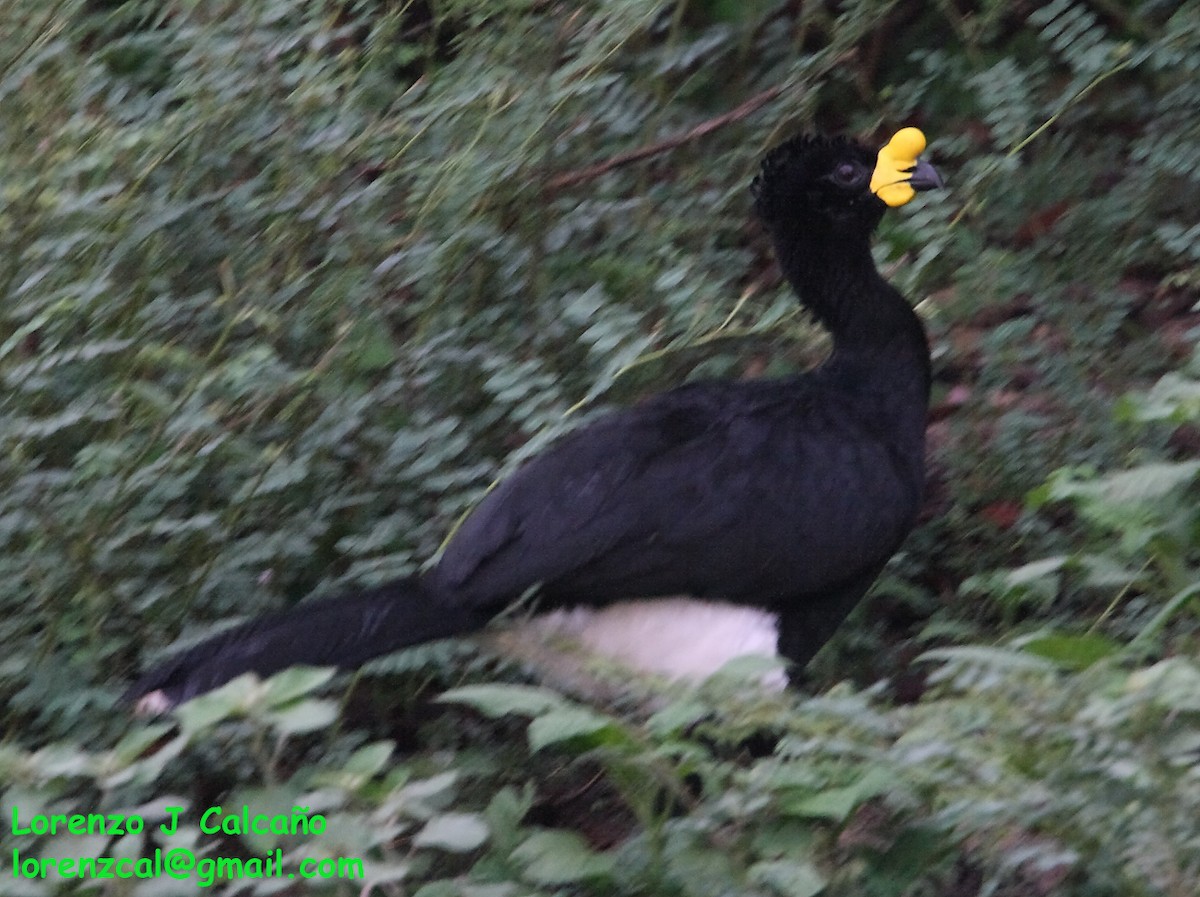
[{"x": 754, "y": 492}]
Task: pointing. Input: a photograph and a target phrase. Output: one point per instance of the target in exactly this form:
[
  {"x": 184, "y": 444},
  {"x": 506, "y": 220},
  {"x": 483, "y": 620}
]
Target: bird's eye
[{"x": 846, "y": 174}]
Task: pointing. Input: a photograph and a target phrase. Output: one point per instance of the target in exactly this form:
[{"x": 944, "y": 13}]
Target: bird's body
[
  {"x": 785, "y": 495},
  {"x": 708, "y": 490}
]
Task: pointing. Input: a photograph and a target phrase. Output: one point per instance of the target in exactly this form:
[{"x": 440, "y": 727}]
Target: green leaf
[
  {"x": 1037, "y": 583},
  {"x": 836, "y": 804},
  {"x": 907, "y": 860},
  {"x": 371, "y": 348},
  {"x": 1174, "y": 398},
  {"x": 424, "y": 798},
  {"x": 1176, "y": 603},
  {"x": 454, "y": 832},
  {"x": 574, "y": 724},
  {"x": 749, "y": 669},
  {"x": 304, "y": 716},
  {"x": 560, "y": 858},
  {"x": 138, "y": 741},
  {"x": 506, "y": 700},
  {"x": 231, "y": 699},
  {"x": 678, "y": 716},
  {"x": 295, "y": 682},
  {"x": 789, "y": 878},
  {"x": 504, "y": 813},
  {"x": 1073, "y": 652},
  {"x": 1173, "y": 683},
  {"x": 369, "y": 759},
  {"x": 1138, "y": 485}
]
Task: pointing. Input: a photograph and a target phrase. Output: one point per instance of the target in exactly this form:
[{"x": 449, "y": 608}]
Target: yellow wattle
[{"x": 894, "y": 165}]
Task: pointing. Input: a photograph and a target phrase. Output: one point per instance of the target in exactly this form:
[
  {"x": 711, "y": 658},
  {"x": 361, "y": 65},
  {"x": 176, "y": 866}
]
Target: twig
[{"x": 571, "y": 178}]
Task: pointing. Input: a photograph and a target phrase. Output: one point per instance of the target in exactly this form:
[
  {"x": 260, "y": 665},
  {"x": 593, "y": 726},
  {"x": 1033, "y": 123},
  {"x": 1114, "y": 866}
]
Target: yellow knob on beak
[{"x": 899, "y": 174}]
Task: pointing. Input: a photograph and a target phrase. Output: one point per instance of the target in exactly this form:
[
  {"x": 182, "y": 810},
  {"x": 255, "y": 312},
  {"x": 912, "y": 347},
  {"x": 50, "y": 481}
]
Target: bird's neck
[
  {"x": 879, "y": 343},
  {"x": 835, "y": 278}
]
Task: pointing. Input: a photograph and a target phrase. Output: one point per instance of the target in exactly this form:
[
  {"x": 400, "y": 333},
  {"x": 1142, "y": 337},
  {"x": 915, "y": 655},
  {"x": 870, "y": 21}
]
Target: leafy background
[{"x": 287, "y": 284}]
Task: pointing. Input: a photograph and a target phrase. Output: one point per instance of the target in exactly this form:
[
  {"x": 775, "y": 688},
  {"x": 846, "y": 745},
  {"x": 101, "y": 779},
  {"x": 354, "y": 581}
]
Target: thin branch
[{"x": 571, "y": 178}]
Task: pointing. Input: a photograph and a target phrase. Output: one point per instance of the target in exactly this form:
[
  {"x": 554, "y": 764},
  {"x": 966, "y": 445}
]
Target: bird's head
[{"x": 836, "y": 184}]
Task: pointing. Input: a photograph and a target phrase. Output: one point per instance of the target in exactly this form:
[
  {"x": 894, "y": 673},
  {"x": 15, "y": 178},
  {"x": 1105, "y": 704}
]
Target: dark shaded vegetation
[{"x": 287, "y": 284}]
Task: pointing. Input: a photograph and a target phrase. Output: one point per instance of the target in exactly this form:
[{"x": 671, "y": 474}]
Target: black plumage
[{"x": 789, "y": 495}]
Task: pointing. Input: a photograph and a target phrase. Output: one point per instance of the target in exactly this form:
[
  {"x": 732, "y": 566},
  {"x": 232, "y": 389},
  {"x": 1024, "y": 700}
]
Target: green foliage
[
  {"x": 1079, "y": 780},
  {"x": 288, "y": 284},
  {"x": 1144, "y": 534}
]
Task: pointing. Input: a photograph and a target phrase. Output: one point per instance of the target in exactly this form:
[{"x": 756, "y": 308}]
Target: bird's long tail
[{"x": 344, "y": 632}]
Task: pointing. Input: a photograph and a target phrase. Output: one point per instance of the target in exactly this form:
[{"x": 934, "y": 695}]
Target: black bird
[{"x": 788, "y": 495}]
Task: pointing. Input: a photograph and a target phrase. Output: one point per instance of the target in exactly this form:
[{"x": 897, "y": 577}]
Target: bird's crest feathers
[{"x": 803, "y": 165}]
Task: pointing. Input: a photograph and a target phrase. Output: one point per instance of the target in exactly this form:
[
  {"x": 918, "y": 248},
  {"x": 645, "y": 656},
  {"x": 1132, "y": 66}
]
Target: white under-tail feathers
[
  {"x": 681, "y": 639},
  {"x": 677, "y": 639}
]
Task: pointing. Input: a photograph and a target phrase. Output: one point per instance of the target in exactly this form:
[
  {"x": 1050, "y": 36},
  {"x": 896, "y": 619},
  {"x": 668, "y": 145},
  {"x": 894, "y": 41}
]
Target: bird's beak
[
  {"x": 925, "y": 177},
  {"x": 899, "y": 174}
]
